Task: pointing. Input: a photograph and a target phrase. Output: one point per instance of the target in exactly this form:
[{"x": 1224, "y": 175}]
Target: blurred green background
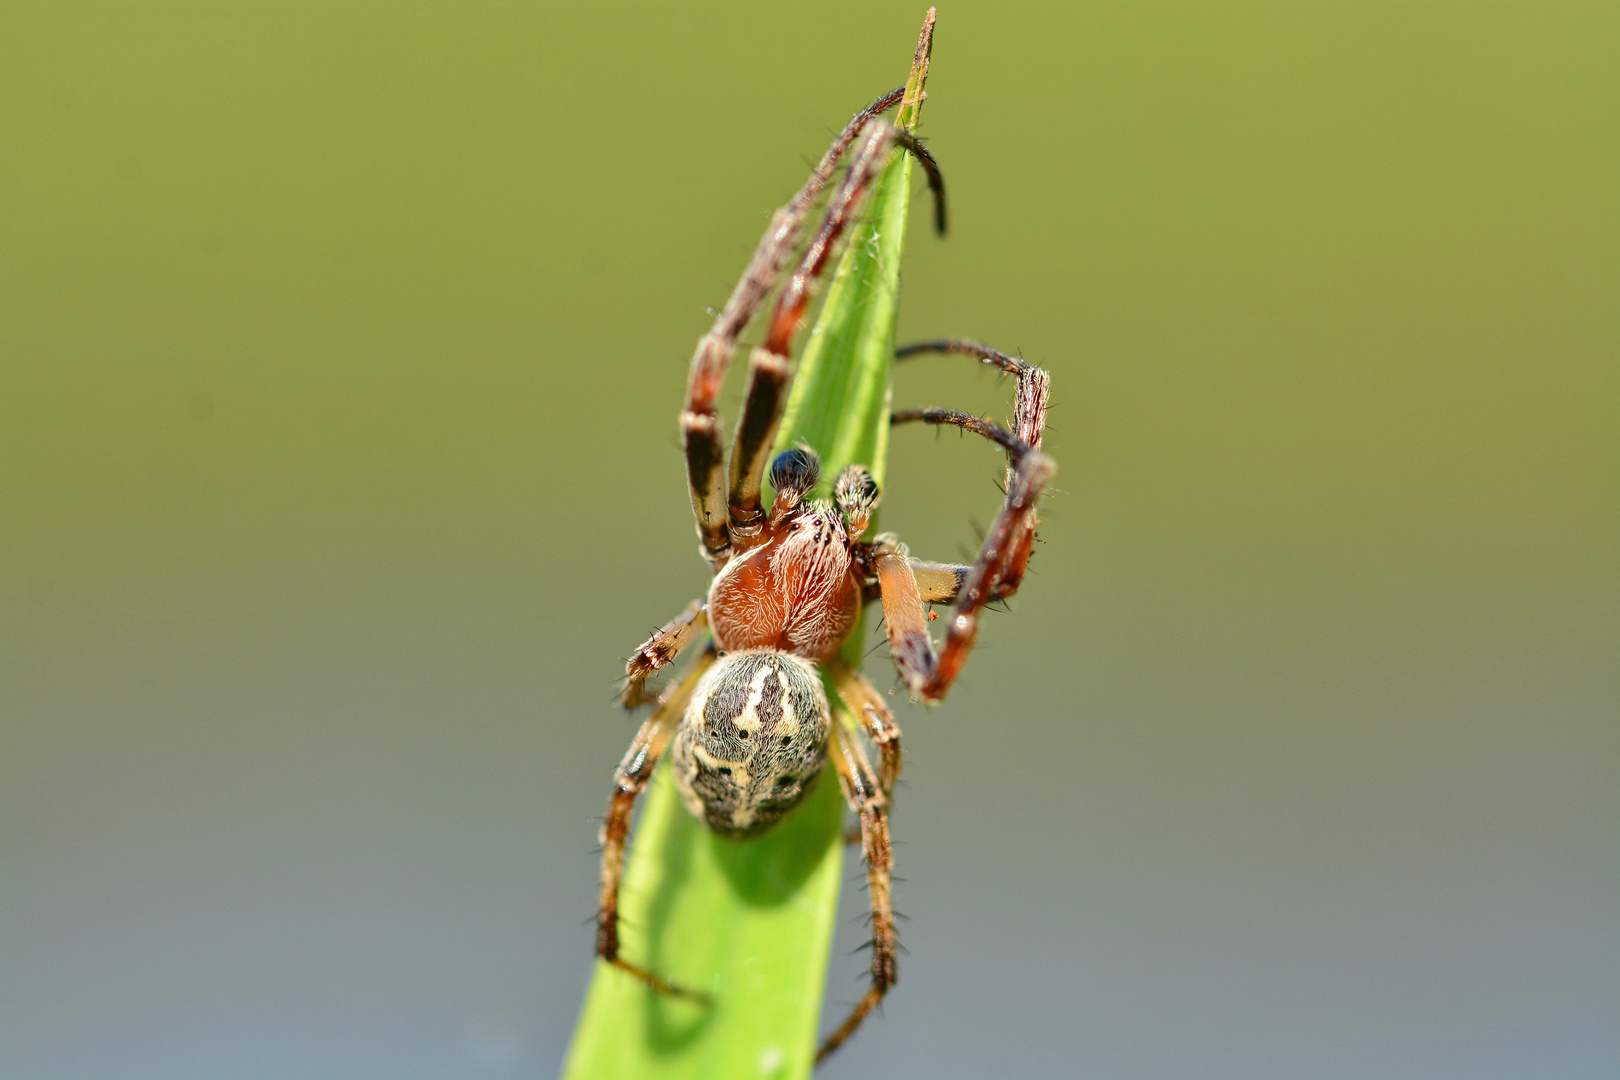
[{"x": 342, "y": 348}]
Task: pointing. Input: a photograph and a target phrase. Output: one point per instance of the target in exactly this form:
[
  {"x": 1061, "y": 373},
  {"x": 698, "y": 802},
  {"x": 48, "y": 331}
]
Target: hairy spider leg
[
  {"x": 770, "y": 367},
  {"x": 943, "y": 582},
  {"x": 940, "y": 587},
  {"x": 865, "y": 702},
  {"x": 904, "y": 584},
  {"x": 629, "y": 781},
  {"x": 929, "y": 674},
  {"x": 1029, "y": 424},
  {"x": 864, "y": 792},
  {"x": 1034, "y": 385},
  {"x": 658, "y": 650},
  {"x": 700, "y": 420}
]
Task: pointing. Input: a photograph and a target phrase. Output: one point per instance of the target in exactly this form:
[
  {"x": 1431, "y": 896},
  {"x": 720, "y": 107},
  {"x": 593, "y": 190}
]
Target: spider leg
[
  {"x": 995, "y": 573},
  {"x": 1010, "y": 574},
  {"x": 700, "y": 421},
  {"x": 865, "y": 702},
  {"x": 660, "y": 649},
  {"x": 1034, "y": 385},
  {"x": 937, "y": 582},
  {"x": 1029, "y": 423},
  {"x": 903, "y": 620},
  {"x": 629, "y": 781},
  {"x": 864, "y": 792},
  {"x": 769, "y": 368}
]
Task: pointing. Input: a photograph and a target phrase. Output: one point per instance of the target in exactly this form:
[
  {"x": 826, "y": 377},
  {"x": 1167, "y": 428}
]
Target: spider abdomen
[{"x": 752, "y": 739}]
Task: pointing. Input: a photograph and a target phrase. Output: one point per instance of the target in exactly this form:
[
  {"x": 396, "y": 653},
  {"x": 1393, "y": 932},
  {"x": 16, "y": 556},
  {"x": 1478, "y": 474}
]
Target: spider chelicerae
[{"x": 749, "y": 727}]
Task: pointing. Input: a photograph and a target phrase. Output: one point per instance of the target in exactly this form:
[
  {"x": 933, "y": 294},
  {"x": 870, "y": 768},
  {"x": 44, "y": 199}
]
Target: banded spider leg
[
  {"x": 716, "y": 514},
  {"x": 904, "y": 585},
  {"x": 1004, "y": 554}
]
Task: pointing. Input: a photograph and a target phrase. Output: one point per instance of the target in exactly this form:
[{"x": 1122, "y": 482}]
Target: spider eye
[{"x": 796, "y": 470}]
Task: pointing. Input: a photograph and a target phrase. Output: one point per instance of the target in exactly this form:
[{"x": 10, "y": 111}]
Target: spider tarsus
[
  {"x": 936, "y": 179},
  {"x": 658, "y": 983},
  {"x": 847, "y": 1028}
]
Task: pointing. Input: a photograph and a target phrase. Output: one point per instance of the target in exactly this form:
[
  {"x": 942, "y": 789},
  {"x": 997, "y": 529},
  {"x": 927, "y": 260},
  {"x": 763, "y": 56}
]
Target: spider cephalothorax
[
  {"x": 796, "y": 585},
  {"x": 749, "y": 727}
]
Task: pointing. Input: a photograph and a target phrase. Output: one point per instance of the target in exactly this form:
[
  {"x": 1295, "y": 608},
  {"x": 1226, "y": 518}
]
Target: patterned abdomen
[{"x": 752, "y": 739}]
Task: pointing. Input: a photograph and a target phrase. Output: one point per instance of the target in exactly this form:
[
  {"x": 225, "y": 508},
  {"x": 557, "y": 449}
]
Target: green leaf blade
[
  {"x": 839, "y": 404},
  {"x": 751, "y": 922}
]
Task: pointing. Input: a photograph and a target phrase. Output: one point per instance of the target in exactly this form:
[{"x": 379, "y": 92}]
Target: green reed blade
[{"x": 751, "y": 922}]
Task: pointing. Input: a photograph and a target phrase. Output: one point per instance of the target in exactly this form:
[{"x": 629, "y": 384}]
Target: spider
[{"x": 749, "y": 727}]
